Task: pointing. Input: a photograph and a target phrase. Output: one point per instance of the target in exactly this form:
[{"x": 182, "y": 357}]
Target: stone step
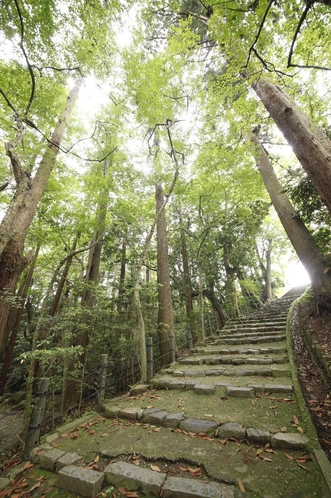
[
  {"x": 255, "y": 325},
  {"x": 238, "y": 360},
  {"x": 154, "y": 483},
  {"x": 251, "y": 340},
  {"x": 158, "y": 417},
  {"x": 239, "y": 333},
  {"x": 210, "y": 350},
  {"x": 189, "y": 380}
]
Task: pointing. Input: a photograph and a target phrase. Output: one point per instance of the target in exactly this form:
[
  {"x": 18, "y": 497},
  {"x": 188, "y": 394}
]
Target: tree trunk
[
  {"x": 187, "y": 280},
  {"x": 217, "y": 307},
  {"x": 63, "y": 279},
  {"x": 22, "y": 294},
  {"x": 309, "y": 143},
  {"x": 165, "y": 313},
  {"x": 16, "y": 222},
  {"x": 268, "y": 286},
  {"x": 230, "y": 284},
  {"x": 317, "y": 265},
  {"x": 121, "y": 287},
  {"x": 72, "y": 388}
]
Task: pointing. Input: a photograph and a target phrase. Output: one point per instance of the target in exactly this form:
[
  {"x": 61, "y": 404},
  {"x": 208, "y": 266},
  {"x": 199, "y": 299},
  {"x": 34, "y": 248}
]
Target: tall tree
[
  {"x": 16, "y": 223},
  {"x": 316, "y": 263}
]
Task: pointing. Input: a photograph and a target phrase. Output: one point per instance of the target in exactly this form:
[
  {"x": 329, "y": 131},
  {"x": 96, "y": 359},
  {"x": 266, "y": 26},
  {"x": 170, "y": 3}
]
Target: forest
[{"x": 162, "y": 162}]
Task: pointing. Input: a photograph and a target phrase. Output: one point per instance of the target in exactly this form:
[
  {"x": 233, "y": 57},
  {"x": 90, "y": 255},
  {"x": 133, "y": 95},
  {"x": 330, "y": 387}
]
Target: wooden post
[
  {"x": 189, "y": 339},
  {"x": 171, "y": 347},
  {"x": 102, "y": 380},
  {"x": 37, "y": 415},
  {"x": 149, "y": 354}
]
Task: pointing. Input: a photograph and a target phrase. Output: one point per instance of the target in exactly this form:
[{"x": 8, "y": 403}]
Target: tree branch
[
  {"x": 309, "y": 4},
  {"x": 259, "y": 30},
  {"x": 33, "y": 82}
]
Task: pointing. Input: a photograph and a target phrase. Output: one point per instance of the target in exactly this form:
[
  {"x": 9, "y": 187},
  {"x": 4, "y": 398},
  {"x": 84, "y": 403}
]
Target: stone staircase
[{"x": 229, "y": 415}]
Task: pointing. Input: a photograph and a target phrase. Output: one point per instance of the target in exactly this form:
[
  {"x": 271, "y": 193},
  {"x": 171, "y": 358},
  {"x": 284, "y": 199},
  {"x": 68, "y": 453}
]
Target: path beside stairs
[{"x": 226, "y": 421}]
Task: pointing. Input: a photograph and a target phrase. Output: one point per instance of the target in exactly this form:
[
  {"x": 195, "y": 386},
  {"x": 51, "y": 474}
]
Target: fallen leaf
[
  {"x": 303, "y": 467},
  {"x": 299, "y": 429},
  {"x": 183, "y": 469},
  {"x": 155, "y": 468},
  {"x": 28, "y": 465},
  {"x": 92, "y": 432},
  {"x": 74, "y": 435},
  {"x": 97, "y": 458},
  {"x": 259, "y": 451},
  {"x": 136, "y": 462},
  {"x": 35, "y": 486},
  {"x": 65, "y": 434},
  {"x": 265, "y": 458},
  {"x": 241, "y": 486},
  {"x": 194, "y": 471},
  {"x": 290, "y": 457},
  {"x": 296, "y": 420}
]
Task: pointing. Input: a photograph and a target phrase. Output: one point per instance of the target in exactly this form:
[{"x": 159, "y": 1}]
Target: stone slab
[
  {"x": 37, "y": 452},
  {"x": 196, "y": 425},
  {"x": 139, "y": 389},
  {"x": 194, "y": 373},
  {"x": 240, "y": 392},
  {"x": 178, "y": 373},
  {"x": 155, "y": 418},
  {"x": 256, "y": 436},
  {"x": 289, "y": 441},
  {"x": 131, "y": 413},
  {"x": 51, "y": 437},
  {"x": 81, "y": 481},
  {"x": 173, "y": 420},
  {"x": 133, "y": 477},
  {"x": 49, "y": 458},
  {"x": 67, "y": 459},
  {"x": 204, "y": 389},
  {"x": 181, "y": 487},
  {"x": 177, "y": 384},
  {"x": 231, "y": 430},
  {"x": 111, "y": 411}
]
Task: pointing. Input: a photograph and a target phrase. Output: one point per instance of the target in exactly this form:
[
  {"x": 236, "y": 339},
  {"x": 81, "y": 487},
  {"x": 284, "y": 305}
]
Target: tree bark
[
  {"x": 22, "y": 294},
  {"x": 187, "y": 280},
  {"x": 165, "y": 313},
  {"x": 121, "y": 287},
  {"x": 217, "y": 307},
  {"x": 317, "y": 265},
  {"x": 309, "y": 143},
  {"x": 16, "y": 222},
  {"x": 230, "y": 283},
  {"x": 82, "y": 338}
]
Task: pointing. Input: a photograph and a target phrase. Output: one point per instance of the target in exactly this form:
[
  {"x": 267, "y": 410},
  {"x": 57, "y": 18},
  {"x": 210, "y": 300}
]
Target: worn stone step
[
  {"x": 154, "y": 483},
  {"x": 280, "y": 440},
  {"x": 218, "y": 379},
  {"x": 252, "y": 340},
  {"x": 259, "y": 324},
  {"x": 236, "y": 360},
  {"x": 246, "y": 334},
  {"x": 211, "y": 350}
]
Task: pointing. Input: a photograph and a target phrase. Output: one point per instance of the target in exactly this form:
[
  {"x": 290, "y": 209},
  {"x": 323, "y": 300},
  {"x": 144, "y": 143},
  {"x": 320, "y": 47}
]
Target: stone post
[
  {"x": 102, "y": 380},
  {"x": 37, "y": 415}
]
